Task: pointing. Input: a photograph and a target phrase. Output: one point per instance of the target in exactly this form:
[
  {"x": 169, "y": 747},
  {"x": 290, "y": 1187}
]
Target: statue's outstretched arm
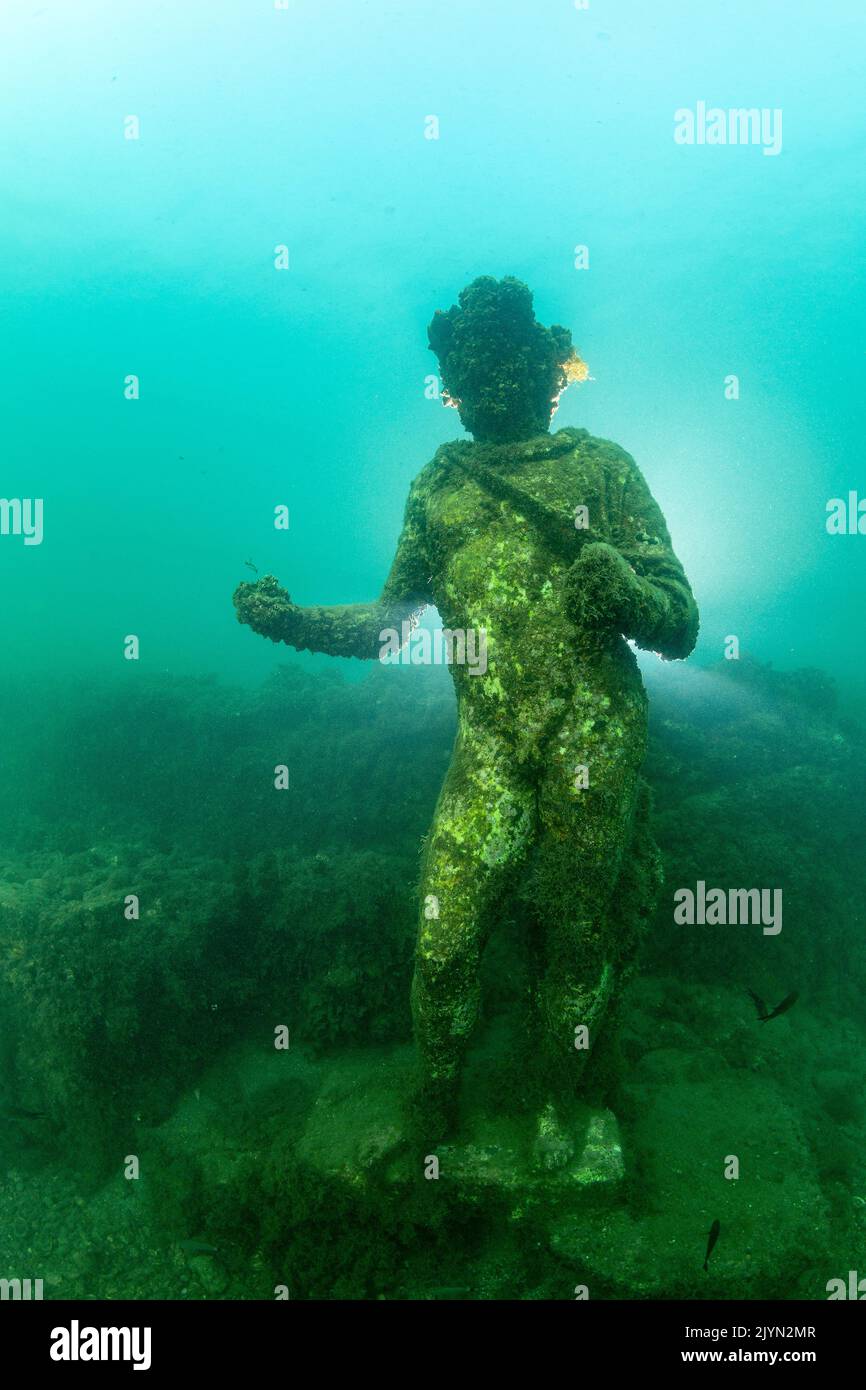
[
  {"x": 353, "y": 629},
  {"x": 636, "y": 585}
]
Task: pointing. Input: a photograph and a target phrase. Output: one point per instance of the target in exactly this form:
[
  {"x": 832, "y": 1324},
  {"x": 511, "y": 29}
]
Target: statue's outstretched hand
[
  {"x": 268, "y": 609},
  {"x": 602, "y": 588}
]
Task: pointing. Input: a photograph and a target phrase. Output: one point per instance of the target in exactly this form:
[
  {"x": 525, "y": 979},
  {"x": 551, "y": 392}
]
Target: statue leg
[
  {"x": 589, "y": 899},
  {"x": 483, "y": 823}
]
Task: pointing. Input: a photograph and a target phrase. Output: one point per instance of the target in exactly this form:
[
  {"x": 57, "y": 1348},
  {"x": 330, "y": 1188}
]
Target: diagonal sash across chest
[{"x": 558, "y": 528}]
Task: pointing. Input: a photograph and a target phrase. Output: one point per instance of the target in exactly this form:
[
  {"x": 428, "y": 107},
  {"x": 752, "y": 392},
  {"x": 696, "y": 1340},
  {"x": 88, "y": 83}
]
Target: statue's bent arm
[
  {"x": 635, "y": 585},
  {"x": 664, "y": 617}
]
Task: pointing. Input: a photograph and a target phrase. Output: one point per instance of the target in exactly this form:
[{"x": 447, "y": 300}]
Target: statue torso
[{"x": 494, "y": 569}]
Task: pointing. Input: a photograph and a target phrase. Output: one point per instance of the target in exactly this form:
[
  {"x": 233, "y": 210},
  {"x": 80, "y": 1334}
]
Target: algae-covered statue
[{"x": 552, "y": 547}]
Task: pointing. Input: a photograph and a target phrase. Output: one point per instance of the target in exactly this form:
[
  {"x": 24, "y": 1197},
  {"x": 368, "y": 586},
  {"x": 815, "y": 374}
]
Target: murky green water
[{"x": 225, "y": 231}]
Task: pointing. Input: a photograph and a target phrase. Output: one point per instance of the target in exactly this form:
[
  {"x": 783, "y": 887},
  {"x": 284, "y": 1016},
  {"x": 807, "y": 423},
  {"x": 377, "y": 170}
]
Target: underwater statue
[{"x": 550, "y": 549}]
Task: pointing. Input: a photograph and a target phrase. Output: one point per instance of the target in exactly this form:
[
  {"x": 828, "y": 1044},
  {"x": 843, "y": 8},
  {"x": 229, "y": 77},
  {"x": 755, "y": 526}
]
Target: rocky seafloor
[{"x": 146, "y": 1044}]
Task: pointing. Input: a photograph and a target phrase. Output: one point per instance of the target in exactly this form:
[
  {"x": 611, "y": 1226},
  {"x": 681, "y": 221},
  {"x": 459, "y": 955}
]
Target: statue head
[{"x": 501, "y": 368}]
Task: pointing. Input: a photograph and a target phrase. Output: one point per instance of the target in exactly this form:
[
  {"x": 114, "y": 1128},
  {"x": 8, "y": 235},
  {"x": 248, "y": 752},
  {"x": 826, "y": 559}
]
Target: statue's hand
[
  {"x": 268, "y": 609},
  {"x": 602, "y": 589}
]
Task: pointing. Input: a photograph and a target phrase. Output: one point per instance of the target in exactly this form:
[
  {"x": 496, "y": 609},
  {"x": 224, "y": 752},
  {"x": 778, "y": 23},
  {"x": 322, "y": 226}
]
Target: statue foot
[
  {"x": 432, "y": 1111},
  {"x": 553, "y": 1146}
]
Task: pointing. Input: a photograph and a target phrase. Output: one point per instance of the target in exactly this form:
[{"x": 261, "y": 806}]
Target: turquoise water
[{"x": 307, "y": 128}]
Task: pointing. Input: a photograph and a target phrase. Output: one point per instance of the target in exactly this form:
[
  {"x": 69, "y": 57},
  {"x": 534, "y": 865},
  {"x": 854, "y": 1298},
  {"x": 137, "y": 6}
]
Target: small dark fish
[
  {"x": 17, "y": 1112},
  {"x": 250, "y": 566},
  {"x": 711, "y": 1241},
  {"x": 197, "y": 1247},
  {"x": 787, "y": 1003}
]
